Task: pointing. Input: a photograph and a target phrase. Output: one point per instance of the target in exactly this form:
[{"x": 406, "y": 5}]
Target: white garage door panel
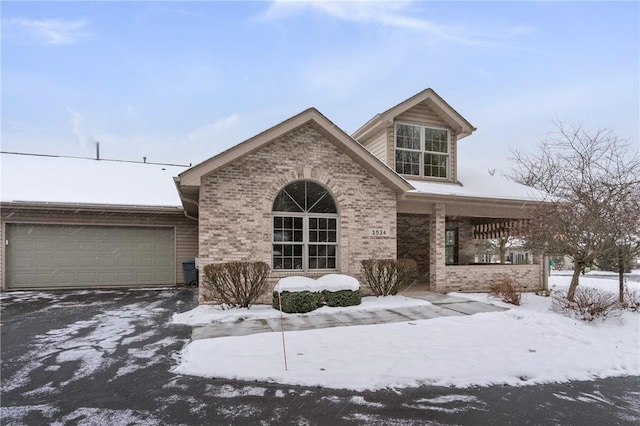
[{"x": 78, "y": 256}]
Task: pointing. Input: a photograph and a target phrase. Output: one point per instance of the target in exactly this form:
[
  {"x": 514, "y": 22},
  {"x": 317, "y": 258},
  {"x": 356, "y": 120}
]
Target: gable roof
[
  {"x": 432, "y": 100},
  {"x": 188, "y": 182}
]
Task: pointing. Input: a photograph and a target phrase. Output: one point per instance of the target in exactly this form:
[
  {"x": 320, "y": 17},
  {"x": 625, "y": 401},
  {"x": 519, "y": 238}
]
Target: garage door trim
[{"x": 6, "y": 272}]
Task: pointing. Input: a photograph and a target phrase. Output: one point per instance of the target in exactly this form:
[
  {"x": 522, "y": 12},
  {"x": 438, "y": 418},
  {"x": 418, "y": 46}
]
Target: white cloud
[
  {"x": 396, "y": 14},
  {"x": 210, "y": 139},
  {"x": 46, "y": 31},
  {"x": 77, "y": 122},
  {"x": 359, "y": 10},
  {"x": 214, "y": 130}
]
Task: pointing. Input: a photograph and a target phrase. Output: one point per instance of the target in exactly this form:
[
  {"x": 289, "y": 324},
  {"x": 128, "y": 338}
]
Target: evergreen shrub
[
  {"x": 298, "y": 302},
  {"x": 342, "y": 297}
]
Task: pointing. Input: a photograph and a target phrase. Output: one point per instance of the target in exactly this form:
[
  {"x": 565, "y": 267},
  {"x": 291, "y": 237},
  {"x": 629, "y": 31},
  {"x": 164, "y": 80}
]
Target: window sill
[
  {"x": 430, "y": 179},
  {"x": 279, "y": 273}
]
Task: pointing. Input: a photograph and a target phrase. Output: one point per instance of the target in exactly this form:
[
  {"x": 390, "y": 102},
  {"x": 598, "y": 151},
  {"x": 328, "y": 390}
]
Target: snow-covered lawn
[{"x": 525, "y": 345}]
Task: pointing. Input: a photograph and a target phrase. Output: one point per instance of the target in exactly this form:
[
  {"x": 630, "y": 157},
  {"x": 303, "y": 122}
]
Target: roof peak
[{"x": 435, "y": 102}]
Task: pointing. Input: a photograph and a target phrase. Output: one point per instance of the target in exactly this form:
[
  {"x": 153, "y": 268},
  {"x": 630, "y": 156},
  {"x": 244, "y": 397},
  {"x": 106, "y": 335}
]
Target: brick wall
[
  {"x": 466, "y": 246},
  {"x": 437, "y": 226},
  {"x": 413, "y": 240},
  {"x": 236, "y": 202},
  {"x": 480, "y": 277}
]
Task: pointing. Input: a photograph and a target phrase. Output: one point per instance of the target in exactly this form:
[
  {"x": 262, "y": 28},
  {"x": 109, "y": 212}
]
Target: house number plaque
[{"x": 379, "y": 232}]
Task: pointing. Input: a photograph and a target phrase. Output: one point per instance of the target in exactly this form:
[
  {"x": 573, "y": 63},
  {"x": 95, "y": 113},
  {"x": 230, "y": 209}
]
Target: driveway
[{"x": 105, "y": 357}]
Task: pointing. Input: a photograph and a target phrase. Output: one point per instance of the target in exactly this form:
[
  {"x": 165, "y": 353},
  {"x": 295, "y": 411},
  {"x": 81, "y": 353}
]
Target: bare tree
[
  {"x": 494, "y": 247},
  {"x": 591, "y": 177},
  {"x": 623, "y": 226},
  {"x": 501, "y": 245}
]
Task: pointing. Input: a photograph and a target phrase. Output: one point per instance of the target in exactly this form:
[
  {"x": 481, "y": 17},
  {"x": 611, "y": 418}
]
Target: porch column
[
  {"x": 437, "y": 248},
  {"x": 543, "y": 262}
]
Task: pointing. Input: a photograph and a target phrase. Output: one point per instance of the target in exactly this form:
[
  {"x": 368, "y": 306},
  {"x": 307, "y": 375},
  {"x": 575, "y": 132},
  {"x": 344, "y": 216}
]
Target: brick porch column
[{"x": 437, "y": 248}]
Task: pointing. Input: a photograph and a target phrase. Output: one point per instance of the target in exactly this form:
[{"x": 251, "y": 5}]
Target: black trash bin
[{"x": 189, "y": 272}]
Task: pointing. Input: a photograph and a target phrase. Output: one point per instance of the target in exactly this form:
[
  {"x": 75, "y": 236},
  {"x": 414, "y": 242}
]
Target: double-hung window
[
  {"x": 305, "y": 228},
  {"x": 422, "y": 151}
]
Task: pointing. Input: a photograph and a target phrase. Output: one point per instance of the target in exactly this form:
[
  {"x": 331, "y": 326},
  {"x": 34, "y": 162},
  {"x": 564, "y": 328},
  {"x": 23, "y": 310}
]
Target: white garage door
[{"x": 79, "y": 256}]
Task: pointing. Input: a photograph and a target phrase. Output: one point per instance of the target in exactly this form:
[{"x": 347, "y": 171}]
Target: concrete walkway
[{"x": 442, "y": 305}]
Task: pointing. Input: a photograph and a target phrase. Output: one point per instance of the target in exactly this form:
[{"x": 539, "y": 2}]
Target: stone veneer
[{"x": 236, "y": 202}]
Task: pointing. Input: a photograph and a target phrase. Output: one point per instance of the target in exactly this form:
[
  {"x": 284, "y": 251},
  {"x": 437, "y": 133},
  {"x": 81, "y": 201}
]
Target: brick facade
[
  {"x": 480, "y": 277},
  {"x": 413, "y": 240},
  {"x": 466, "y": 246},
  {"x": 414, "y": 231},
  {"x": 437, "y": 223},
  {"x": 236, "y": 202}
]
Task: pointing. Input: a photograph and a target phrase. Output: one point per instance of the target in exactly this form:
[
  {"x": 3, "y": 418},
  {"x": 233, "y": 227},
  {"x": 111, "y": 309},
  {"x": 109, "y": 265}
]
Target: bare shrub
[
  {"x": 236, "y": 284},
  {"x": 388, "y": 276},
  {"x": 589, "y": 304},
  {"x": 505, "y": 290},
  {"x": 631, "y": 300}
]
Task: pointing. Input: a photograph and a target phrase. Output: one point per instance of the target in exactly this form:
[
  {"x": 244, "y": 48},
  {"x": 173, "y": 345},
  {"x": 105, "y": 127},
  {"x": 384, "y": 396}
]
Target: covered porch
[{"x": 446, "y": 239}]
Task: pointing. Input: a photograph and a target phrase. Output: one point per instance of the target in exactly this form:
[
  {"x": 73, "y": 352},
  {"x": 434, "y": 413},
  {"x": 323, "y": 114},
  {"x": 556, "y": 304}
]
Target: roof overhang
[
  {"x": 438, "y": 105},
  {"x": 188, "y": 182},
  {"x": 421, "y": 203},
  {"x": 87, "y": 207}
]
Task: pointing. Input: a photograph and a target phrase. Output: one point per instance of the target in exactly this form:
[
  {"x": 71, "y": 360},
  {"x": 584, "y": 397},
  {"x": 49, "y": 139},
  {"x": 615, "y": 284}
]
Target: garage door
[{"x": 79, "y": 256}]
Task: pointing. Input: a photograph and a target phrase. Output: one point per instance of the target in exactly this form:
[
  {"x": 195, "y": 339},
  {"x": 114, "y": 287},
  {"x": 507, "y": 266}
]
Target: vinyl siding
[
  {"x": 186, "y": 230},
  {"x": 421, "y": 114},
  {"x": 377, "y": 146}
]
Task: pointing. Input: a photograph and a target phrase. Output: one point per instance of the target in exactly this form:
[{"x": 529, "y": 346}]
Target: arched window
[{"x": 305, "y": 228}]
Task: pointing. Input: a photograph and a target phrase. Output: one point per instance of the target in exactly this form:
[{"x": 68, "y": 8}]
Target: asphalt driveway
[{"x": 105, "y": 358}]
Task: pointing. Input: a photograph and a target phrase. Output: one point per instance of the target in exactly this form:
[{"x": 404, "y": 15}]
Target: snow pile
[
  {"x": 526, "y": 345},
  {"x": 331, "y": 282}
]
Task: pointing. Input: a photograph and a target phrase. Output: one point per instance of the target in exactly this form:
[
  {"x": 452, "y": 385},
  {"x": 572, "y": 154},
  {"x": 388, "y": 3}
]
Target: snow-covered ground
[
  {"x": 208, "y": 314},
  {"x": 526, "y": 345}
]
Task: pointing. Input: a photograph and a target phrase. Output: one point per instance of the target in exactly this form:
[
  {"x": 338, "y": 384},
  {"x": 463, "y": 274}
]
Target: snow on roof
[
  {"x": 69, "y": 180},
  {"x": 476, "y": 184}
]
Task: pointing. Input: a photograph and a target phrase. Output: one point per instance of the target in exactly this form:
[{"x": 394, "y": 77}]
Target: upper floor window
[
  {"x": 422, "y": 151},
  {"x": 305, "y": 228}
]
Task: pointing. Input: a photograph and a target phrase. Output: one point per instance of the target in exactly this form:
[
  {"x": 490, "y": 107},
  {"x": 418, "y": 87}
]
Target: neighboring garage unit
[
  {"x": 45, "y": 255},
  {"x": 78, "y": 223}
]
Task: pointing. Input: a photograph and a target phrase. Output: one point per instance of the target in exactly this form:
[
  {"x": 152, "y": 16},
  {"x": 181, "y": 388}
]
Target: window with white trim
[
  {"x": 421, "y": 151},
  {"x": 305, "y": 228}
]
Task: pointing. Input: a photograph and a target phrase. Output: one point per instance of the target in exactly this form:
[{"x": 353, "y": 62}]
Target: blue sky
[{"x": 180, "y": 81}]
